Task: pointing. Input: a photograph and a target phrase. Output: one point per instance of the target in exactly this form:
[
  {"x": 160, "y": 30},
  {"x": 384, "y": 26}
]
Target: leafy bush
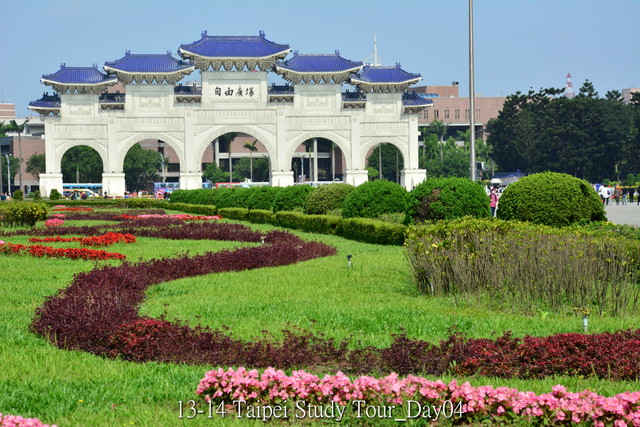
[
  {"x": 323, "y": 224},
  {"x": 525, "y": 265},
  {"x": 31, "y": 195},
  {"x": 189, "y": 208},
  {"x": 18, "y": 195},
  {"x": 327, "y": 198},
  {"x": 446, "y": 198},
  {"x": 37, "y": 195},
  {"x": 292, "y": 197},
  {"x": 551, "y": 198},
  {"x": 262, "y": 197},
  {"x": 27, "y": 213},
  {"x": 234, "y": 213},
  {"x": 373, "y": 231},
  {"x": 138, "y": 203},
  {"x": 261, "y": 216},
  {"x": 374, "y": 198},
  {"x": 55, "y": 195}
]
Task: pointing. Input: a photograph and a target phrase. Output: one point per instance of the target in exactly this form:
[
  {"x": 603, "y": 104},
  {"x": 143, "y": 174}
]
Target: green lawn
[{"x": 369, "y": 302}]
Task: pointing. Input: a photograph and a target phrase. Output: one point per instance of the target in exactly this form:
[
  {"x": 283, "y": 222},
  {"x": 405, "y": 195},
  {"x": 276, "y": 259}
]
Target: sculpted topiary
[
  {"x": 551, "y": 198},
  {"x": 373, "y": 199},
  {"x": 446, "y": 198}
]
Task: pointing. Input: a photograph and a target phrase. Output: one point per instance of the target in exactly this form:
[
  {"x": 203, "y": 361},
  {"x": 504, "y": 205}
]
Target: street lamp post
[
  {"x": 164, "y": 178},
  {"x": 8, "y": 174},
  {"x": 472, "y": 111}
]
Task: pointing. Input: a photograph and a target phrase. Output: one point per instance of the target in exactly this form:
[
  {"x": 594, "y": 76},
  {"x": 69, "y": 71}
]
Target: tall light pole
[
  {"x": 164, "y": 178},
  {"x": 472, "y": 94},
  {"x": 8, "y": 174}
]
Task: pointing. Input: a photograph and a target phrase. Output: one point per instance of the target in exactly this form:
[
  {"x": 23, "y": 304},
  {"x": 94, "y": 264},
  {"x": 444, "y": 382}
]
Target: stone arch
[
  {"x": 125, "y": 145},
  {"x": 204, "y": 139},
  {"x": 339, "y": 140},
  {"x": 66, "y": 145},
  {"x": 399, "y": 143}
]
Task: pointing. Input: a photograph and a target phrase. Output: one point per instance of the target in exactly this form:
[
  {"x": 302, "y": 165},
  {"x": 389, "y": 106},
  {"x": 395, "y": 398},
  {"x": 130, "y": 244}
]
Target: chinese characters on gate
[{"x": 239, "y": 92}]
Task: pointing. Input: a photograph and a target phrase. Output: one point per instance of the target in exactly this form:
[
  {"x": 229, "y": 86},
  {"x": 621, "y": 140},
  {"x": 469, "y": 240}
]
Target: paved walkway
[{"x": 627, "y": 214}]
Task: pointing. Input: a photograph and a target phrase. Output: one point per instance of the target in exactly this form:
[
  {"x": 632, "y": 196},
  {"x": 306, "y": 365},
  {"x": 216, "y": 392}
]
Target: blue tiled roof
[
  {"x": 391, "y": 75},
  {"x": 414, "y": 100},
  {"x": 234, "y": 47},
  {"x": 318, "y": 63},
  {"x": 79, "y": 76},
  {"x": 47, "y": 101},
  {"x": 148, "y": 63}
]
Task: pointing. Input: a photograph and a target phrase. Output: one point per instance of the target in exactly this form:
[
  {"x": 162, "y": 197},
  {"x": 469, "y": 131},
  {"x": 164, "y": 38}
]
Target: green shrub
[
  {"x": 137, "y": 203},
  {"x": 37, "y": 195},
  {"x": 31, "y": 195},
  {"x": 187, "y": 207},
  {"x": 327, "y": 198},
  {"x": 373, "y": 199},
  {"x": 322, "y": 224},
  {"x": 233, "y": 213},
  {"x": 372, "y": 231},
  {"x": 551, "y": 198},
  {"x": 446, "y": 198},
  {"x": 292, "y": 197},
  {"x": 261, "y": 216},
  {"x": 18, "y": 195},
  {"x": 262, "y": 197},
  {"x": 27, "y": 213},
  {"x": 631, "y": 179},
  {"x": 524, "y": 265},
  {"x": 55, "y": 195},
  {"x": 200, "y": 196}
]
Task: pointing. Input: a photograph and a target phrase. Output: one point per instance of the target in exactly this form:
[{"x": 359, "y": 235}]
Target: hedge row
[{"x": 360, "y": 229}]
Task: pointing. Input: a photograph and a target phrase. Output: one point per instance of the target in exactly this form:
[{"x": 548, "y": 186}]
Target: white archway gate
[{"x": 155, "y": 111}]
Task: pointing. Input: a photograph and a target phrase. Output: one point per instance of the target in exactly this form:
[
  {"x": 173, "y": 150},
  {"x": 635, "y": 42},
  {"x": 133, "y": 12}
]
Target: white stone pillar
[
  {"x": 216, "y": 149},
  {"x": 113, "y": 184},
  {"x": 410, "y": 178},
  {"x": 281, "y": 178},
  {"x": 356, "y": 177},
  {"x": 50, "y": 181},
  {"x": 190, "y": 180},
  {"x": 315, "y": 160}
]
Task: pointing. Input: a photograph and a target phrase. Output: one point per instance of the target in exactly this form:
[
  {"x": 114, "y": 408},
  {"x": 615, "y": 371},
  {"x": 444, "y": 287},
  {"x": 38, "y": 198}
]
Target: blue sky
[{"x": 519, "y": 44}]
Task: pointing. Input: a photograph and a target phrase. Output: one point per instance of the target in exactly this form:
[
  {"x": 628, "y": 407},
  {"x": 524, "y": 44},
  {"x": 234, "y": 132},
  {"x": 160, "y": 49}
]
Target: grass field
[{"x": 370, "y": 301}]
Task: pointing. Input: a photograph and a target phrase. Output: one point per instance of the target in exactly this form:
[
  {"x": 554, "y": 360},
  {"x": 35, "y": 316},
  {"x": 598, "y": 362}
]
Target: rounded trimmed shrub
[
  {"x": 551, "y": 198},
  {"x": 18, "y": 195},
  {"x": 447, "y": 198},
  {"x": 292, "y": 197},
  {"x": 374, "y": 198},
  {"x": 260, "y": 198},
  {"x": 55, "y": 195},
  {"x": 326, "y": 198}
]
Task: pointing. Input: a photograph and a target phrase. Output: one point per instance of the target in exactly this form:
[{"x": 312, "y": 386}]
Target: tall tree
[
  {"x": 392, "y": 161},
  {"x": 81, "y": 164},
  {"x": 587, "y": 91},
  {"x": 140, "y": 167},
  {"x": 439, "y": 128},
  {"x": 251, "y": 146},
  {"x": 214, "y": 174},
  {"x": 36, "y": 164},
  {"x": 19, "y": 128}
]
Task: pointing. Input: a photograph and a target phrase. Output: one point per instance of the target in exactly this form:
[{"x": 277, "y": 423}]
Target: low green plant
[
  {"x": 18, "y": 195},
  {"x": 31, "y": 195},
  {"x": 446, "y": 198},
  {"x": 37, "y": 195},
  {"x": 525, "y": 266},
  {"x": 138, "y": 203},
  {"x": 372, "y": 231},
  {"x": 234, "y": 213},
  {"x": 261, "y": 216},
  {"x": 292, "y": 197},
  {"x": 25, "y": 214},
  {"x": 551, "y": 198},
  {"x": 55, "y": 195},
  {"x": 262, "y": 197},
  {"x": 373, "y": 199},
  {"x": 323, "y": 224},
  {"x": 327, "y": 198}
]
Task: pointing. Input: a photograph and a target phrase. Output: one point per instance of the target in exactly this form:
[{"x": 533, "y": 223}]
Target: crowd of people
[{"x": 621, "y": 195}]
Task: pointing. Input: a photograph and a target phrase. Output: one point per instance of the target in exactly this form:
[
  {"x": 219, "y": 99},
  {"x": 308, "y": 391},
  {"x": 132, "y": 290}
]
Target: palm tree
[
  {"x": 439, "y": 128},
  {"x": 251, "y": 146},
  {"x": 19, "y": 128},
  {"x": 308, "y": 147}
]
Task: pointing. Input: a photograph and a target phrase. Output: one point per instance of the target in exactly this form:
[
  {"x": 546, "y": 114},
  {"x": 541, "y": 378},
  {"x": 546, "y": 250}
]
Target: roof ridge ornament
[
  {"x": 337, "y": 52},
  {"x": 127, "y": 53},
  {"x": 397, "y": 65},
  {"x": 261, "y": 33},
  {"x": 204, "y": 33},
  {"x": 63, "y": 65},
  {"x": 95, "y": 65}
]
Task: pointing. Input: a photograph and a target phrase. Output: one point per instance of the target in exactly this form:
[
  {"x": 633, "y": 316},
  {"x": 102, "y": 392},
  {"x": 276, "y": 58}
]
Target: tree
[
  {"x": 259, "y": 170},
  {"x": 36, "y": 165},
  {"x": 19, "y": 128},
  {"x": 392, "y": 161},
  {"x": 226, "y": 140},
  {"x": 251, "y": 146},
  {"x": 613, "y": 95},
  {"x": 439, "y": 128},
  {"x": 81, "y": 164},
  {"x": 140, "y": 167},
  {"x": 587, "y": 91},
  {"x": 214, "y": 174}
]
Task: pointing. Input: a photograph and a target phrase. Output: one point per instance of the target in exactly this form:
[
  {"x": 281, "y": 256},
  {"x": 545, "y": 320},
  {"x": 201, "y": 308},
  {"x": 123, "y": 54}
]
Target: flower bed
[
  {"x": 107, "y": 239},
  {"x": 54, "y": 222},
  {"x": 71, "y": 253},
  {"x": 184, "y": 217},
  {"x": 18, "y": 421},
  {"x": 68, "y": 209},
  {"x": 368, "y": 398}
]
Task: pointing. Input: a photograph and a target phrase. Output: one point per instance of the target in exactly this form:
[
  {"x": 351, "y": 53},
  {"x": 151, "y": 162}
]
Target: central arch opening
[
  {"x": 236, "y": 157},
  {"x": 318, "y": 160}
]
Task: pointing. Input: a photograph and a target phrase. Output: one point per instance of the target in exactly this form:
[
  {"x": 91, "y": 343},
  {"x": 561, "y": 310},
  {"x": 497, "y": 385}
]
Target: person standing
[
  {"x": 618, "y": 194},
  {"x": 625, "y": 193},
  {"x": 494, "y": 201}
]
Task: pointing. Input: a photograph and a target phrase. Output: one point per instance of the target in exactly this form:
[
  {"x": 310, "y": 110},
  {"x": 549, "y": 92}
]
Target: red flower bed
[
  {"x": 104, "y": 240},
  {"x": 71, "y": 253}
]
